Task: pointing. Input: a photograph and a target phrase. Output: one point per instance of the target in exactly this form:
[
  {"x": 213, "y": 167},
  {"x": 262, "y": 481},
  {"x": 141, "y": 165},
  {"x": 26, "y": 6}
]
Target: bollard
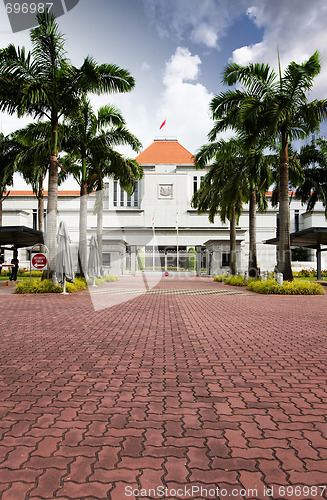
[{"x": 280, "y": 278}]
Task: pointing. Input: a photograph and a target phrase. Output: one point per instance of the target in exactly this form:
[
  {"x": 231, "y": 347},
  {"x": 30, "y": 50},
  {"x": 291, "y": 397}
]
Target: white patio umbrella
[
  {"x": 64, "y": 264},
  {"x": 93, "y": 265}
]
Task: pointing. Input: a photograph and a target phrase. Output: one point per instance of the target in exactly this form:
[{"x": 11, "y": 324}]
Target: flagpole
[
  {"x": 177, "y": 253},
  {"x": 153, "y": 242}
]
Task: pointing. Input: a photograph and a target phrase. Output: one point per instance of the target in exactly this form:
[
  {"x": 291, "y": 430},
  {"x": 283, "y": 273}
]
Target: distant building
[{"x": 157, "y": 223}]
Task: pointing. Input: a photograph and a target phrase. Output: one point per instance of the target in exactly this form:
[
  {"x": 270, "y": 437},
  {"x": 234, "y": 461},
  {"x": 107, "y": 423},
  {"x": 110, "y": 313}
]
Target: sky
[{"x": 177, "y": 50}]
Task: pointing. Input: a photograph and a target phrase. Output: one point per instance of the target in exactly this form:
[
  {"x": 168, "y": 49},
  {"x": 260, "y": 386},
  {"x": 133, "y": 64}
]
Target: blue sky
[{"x": 177, "y": 50}]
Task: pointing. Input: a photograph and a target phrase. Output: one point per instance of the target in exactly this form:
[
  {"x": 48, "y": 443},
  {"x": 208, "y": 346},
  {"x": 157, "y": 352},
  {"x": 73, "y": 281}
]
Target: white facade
[{"x": 159, "y": 214}]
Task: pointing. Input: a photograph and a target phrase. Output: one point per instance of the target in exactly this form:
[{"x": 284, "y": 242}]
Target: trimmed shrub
[
  {"x": 288, "y": 288},
  {"x": 234, "y": 280},
  {"x": 80, "y": 284},
  {"x": 104, "y": 279},
  {"x": 109, "y": 278},
  {"x": 220, "y": 277},
  {"x": 37, "y": 286}
]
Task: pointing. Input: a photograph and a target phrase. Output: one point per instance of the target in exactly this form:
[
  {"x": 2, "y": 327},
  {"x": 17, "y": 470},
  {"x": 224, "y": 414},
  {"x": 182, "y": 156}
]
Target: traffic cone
[{"x": 7, "y": 284}]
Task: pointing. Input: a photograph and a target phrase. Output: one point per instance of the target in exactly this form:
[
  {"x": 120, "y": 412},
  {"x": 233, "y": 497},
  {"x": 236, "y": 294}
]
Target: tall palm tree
[
  {"x": 276, "y": 108},
  {"x": 46, "y": 85},
  {"x": 218, "y": 192},
  {"x": 110, "y": 163},
  {"x": 247, "y": 178},
  {"x": 89, "y": 139}
]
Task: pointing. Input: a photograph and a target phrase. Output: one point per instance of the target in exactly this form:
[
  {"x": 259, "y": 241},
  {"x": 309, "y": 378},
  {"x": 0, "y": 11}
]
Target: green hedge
[
  {"x": 37, "y": 286},
  {"x": 220, "y": 277},
  {"x": 288, "y": 288},
  {"x": 234, "y": 280}
]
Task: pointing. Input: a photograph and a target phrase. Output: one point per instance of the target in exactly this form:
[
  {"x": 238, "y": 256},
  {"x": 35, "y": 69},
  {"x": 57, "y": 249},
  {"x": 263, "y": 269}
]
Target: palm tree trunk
[
  {"x": 51, "y": 236},
  {"x": 40, "y": 206},
  {"x": 100, "y": 225},
  {"x": 52, "y": 208},
  {"x": 1, "y": 200},
  {"x": 83, "y": 230},
  {"x": 232, "y": 234},
  {"x": 284, "y": 252},
  {"x": 253, "y": 235}
]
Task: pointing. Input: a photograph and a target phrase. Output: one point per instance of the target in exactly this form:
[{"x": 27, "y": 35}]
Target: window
[
  {"x": 136, "y": 194},
  {"x": 106, "y": 195},
  {"x": 34, "y": 218},
  {"x": 225, "y": 259},
  {"x": 106, "y": 259},
  {"x": 296, "y": 220},
  {"x": 197, "y": 182},
  {"x": 115, "y": 193},
  {"x": 125, "y": 199}
]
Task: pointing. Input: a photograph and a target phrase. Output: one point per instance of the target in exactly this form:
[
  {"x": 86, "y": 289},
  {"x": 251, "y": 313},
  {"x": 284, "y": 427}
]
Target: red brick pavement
[{"x": 169, "y": 390}]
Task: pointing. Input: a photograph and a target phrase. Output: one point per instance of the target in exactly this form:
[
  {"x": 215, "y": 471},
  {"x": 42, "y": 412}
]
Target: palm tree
[
  {"x": 33, "y": 145},
  {"x": 218, "y": 192},
  {"x": 272, "y": 107},
  {"x": 109, "y": 163},
  {"x": 248, "y": 178},
  {"x": 7, "y": 159},
  {"x": 313, "y": 158},
  {"x": 89, "y": 139},
  {"x": 46, "y": 85}
]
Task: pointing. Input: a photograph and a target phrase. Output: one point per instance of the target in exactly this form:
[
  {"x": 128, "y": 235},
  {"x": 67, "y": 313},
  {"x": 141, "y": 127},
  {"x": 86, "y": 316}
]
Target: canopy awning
[
  {"x": 20, "y": 236},
  {"x": 312, "y": 237}
]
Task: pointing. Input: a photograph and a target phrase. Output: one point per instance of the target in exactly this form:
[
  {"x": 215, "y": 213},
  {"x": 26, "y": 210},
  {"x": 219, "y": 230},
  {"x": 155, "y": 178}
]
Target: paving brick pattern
[{"x": 174, "y": 390}]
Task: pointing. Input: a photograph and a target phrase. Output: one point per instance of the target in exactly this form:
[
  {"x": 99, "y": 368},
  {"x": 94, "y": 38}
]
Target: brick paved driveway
[{"x": 177, "y": 390}]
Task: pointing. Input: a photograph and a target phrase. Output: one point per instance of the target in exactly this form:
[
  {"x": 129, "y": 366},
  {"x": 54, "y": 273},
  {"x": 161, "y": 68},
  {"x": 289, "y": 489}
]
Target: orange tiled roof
[
  {"x": 30, "y": 193},
  {"x": 165, "y": 151}
]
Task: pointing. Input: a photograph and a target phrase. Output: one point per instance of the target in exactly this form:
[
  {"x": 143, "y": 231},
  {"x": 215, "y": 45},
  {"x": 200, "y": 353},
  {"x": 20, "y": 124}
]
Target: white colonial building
[{"x": 158, "y": 223}]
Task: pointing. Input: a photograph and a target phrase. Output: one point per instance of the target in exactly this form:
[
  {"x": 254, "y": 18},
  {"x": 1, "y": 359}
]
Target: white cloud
[
  {"x": 185, "y": 105},
  {"x": 296, "y": 28},
  {"x": 205, "y": 34},
  {"x": 201, "y": 21}
]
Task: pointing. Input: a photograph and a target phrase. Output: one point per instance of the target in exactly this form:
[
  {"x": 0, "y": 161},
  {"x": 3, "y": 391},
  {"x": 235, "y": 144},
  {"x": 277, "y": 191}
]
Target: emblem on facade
[{"x": 165, "y": 191}]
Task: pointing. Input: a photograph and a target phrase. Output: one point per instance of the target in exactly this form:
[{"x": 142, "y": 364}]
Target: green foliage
[
  {"x": 109, "y": 278},
  {"x": 80, "y": 284},
  {"x": 238, "y": 280},
  {"x": 37, "y": 286},
  {"x": 219, "y": 278},
  {"x": 101, "y": 281},
  {"x": 288, "y": 288},
  {"x": 307, "y": 273},
  {"x": 26, "y": 274},
  {"x": 191, "y": 259},
  {"x": 300, "y": 254}
]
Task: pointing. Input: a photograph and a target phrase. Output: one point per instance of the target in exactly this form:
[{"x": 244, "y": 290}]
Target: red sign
[
  {"x": 39, "y": 261},
  {"x": 166, "y": 273}
]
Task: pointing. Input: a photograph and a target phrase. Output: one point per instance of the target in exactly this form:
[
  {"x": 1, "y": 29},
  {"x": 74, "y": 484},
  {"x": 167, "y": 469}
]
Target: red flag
[{"x": 163, "y": 123}]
